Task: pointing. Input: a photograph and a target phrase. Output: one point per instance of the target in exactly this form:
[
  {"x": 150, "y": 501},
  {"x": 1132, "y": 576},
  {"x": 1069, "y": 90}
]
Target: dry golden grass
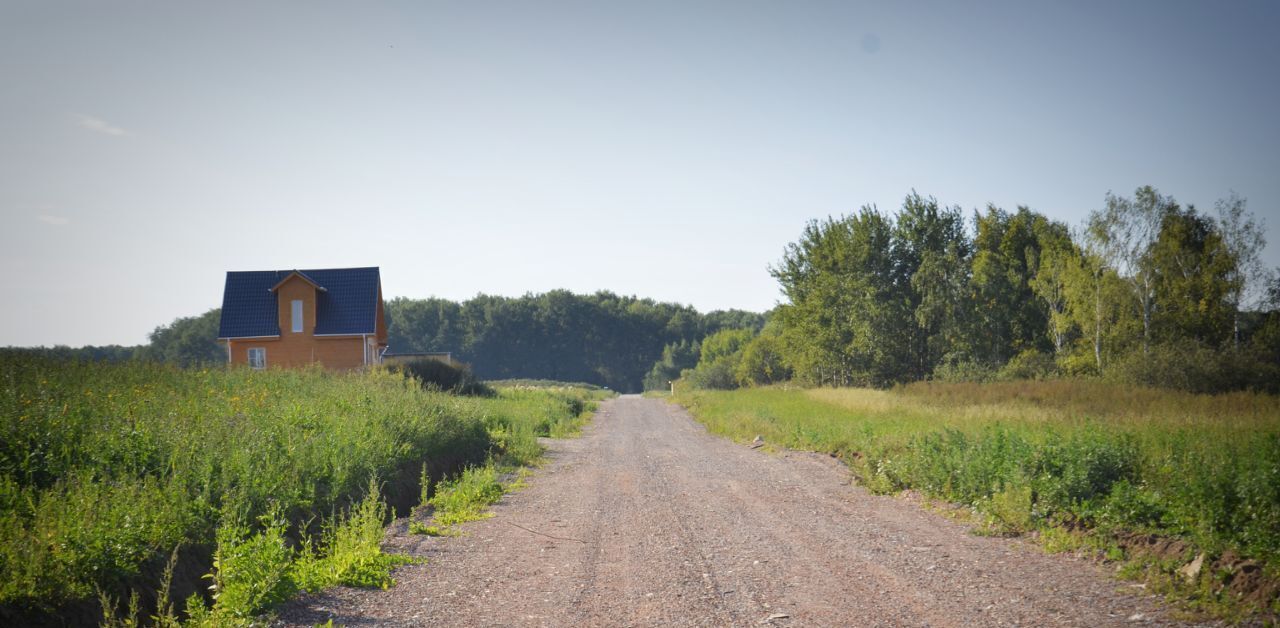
[{"x": 1066, "y": 403}]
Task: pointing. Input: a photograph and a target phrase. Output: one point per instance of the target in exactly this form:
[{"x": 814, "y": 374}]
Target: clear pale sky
[{"x": 662, "y": 149}]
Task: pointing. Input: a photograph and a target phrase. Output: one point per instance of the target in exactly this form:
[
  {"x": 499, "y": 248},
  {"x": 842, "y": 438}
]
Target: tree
[
  {"x": 932, "y": 253},
  {"x": 1191, "y": 266},
  {"x": 1243, "y": 238},
  {"x": 1095, "y": 290},
  {"x": 846, "y": 318},
  {"x": 762, "y": 360},
  {"x": 676, "y": 357},
  {"x": 718, "y": 362},
  {"x": 187, "y": 341},
  {"x": 1006, "y": 261},
  {"x": 1126, "y": 229},
  {"x": 599, "y": 338},
  {"x": 1058, "y": 263}
]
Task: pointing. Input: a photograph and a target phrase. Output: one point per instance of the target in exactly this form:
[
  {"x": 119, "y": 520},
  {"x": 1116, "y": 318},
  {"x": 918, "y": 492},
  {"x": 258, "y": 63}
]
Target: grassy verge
[
  {"x": 142, "y": 483},
  {"x": 1150, "y": 477},
  {"x": 545, "y": 410}
]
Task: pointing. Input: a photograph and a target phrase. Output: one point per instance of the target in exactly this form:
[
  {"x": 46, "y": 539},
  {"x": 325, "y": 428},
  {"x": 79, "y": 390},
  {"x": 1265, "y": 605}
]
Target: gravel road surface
[{"x": 647, "y": 520}]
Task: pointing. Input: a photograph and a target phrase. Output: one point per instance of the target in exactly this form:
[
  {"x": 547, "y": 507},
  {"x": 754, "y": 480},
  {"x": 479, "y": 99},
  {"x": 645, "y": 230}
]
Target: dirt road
[{"x": 648, "y": 520}]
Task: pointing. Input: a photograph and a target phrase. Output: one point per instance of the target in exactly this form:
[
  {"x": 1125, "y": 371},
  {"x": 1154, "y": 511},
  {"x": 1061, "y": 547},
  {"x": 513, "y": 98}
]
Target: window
[
  {"x": 297, "y": 316},
  {"x": 258, "y": 357}
]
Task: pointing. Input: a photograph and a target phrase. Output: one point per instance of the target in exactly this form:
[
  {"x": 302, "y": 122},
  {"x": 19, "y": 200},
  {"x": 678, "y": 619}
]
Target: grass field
[
  {"x": 117, "y": 478},
  {"x": 1078, "y": 462}
]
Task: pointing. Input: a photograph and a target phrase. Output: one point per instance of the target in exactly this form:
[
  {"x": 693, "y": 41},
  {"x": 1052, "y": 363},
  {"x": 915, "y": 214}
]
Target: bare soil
[{"x": 648, "y": 520}]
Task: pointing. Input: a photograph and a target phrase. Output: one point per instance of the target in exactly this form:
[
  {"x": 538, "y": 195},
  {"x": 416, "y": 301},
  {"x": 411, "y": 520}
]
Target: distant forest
[{"x": 602, "y": 338}]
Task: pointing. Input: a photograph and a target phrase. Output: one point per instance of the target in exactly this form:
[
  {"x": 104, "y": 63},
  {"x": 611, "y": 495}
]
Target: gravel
[{"x": 648, "y": 520}]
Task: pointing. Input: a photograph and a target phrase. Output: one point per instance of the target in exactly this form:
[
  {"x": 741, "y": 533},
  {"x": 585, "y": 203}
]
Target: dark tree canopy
[{"x": 600, "y": 338}]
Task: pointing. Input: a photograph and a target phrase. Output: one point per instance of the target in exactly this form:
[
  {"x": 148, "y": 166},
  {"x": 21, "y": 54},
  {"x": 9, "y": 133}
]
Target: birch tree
[
  {"x": 1124, "y": 232},
  {"x": 1242, "y": 236}
]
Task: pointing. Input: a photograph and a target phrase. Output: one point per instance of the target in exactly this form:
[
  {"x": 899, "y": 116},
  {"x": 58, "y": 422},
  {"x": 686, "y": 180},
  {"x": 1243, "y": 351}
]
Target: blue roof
[{"x": 347, "y": 305}]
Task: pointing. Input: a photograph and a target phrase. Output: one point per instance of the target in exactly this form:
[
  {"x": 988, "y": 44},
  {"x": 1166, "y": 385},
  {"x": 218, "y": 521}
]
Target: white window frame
[
  {"x": 260, "y": 362},
  {"x": 296, "y": 311}
]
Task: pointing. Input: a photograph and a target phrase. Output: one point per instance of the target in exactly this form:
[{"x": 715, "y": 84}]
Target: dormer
[{"x": 297, "y": 296}]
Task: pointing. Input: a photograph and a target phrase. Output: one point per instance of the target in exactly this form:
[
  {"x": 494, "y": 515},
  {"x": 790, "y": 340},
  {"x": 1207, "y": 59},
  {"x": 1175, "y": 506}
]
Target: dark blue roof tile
[{"x": 347, "y": 305}]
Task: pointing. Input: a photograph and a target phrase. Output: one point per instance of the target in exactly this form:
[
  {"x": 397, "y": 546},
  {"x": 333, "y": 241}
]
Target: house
[{"x": 332, "y": 316}]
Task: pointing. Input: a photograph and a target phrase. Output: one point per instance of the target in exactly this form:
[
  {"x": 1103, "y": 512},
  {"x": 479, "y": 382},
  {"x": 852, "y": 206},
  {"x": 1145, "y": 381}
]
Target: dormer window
[{"x": 297, "y": 316}]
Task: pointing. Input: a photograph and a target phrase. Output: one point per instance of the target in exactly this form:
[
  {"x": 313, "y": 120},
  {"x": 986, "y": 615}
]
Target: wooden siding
[
  {"x": 293, "y": 288},
  {"x": 299, "y": 350}
]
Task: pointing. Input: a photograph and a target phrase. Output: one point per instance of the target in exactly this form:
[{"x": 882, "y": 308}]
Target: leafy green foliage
[
  {"x": 256, "y": 567},
  {"x": 190, "y": 341},
  {"x": 350, "y": 551},
  {"x": 106, "y": 468},
  {"x": 718, "y": 360},
  {"x": 250, "y": 571},
  {"x": 466, "y": 497},
  {"x": 601, "y": 338},
  {"x": 676, "y": 357},
  {"x": 877, "y": 299},
  {"x": 849, "y": 319},
  {"x": 762, "y": 360},
  {"x": 436, "y": 375},
  {"x": 1194, "y": 367}
]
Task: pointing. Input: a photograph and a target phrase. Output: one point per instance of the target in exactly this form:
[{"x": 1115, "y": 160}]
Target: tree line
[
  {"x": 1146, "y": 290},
  {"x": 187, "y": 341},
  {"x": 602, "y": 338}
]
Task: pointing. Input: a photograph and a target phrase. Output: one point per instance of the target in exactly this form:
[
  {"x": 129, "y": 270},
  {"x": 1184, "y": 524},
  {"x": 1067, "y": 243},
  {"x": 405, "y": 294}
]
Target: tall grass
[
  {"x": 105, "y": 470},
  {"x": 1079, "y": 454}
]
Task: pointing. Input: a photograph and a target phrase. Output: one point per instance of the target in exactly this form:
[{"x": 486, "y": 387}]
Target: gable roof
[
  {"x": 346, "y": 301},
  {"x": 303, "y": 276}
]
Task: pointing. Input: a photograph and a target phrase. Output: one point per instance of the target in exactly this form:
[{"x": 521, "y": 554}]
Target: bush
[
  {"x": 1029, "y": 364},
  {"x": 1193, "y": 367},
  {"x": 1078, "y": 364},
  {"x": 717, "y": 375},
  {"x": 958, "y": 367},
  {"x": 762, "y": 362},
  {"x": 436, "y": 375}
]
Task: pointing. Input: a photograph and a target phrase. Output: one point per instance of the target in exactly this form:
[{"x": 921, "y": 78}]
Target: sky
[{"x": 668, "y": 150}]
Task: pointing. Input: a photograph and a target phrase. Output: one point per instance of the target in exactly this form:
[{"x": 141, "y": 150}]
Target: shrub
[
  {"x": 714, "y": 376},
  {"x": 1030, "y": 364},
  {"x": 1196, "y": 368},
  {"x": 465, "y": 497},
  {"x": 351, "y": 549},
  {"x": 436, "y": 375},
  {"x": 251, "y": 571},
  {"x": 958, "y": 367},
  {"x": 762, "y": 362}
]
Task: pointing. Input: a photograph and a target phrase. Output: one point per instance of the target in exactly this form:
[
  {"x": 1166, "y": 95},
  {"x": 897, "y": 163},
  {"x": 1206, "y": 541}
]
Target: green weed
[
  {"x": 105, "y": 468},
  {"x": 467, "y": 497}
]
